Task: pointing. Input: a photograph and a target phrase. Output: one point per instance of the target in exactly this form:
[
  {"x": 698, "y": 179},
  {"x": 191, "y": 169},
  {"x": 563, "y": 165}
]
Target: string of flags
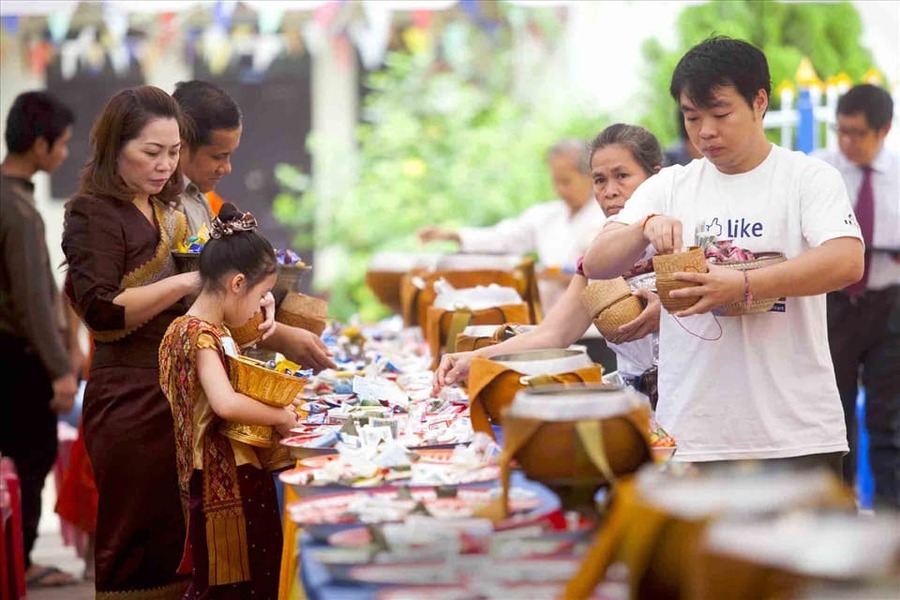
[{"x": 89, "y": 36}]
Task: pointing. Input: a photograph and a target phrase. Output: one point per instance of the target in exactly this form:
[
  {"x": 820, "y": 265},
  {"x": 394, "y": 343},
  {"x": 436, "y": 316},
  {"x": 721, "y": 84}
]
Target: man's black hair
[
  {"x": 206, "y": 108},
  {"x": 717, "y": 62},
  {"x": 874, "y": 102},
  {"x": 36, "y": 115}
]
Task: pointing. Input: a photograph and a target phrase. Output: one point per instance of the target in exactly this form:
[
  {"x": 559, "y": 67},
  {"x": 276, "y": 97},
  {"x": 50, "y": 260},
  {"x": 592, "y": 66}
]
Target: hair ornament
[{"x": 219, "y": 228}]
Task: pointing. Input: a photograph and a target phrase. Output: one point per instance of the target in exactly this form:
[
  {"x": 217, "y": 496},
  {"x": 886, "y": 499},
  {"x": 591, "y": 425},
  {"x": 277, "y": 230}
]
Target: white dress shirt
[
  {"x": 548, "y": 229},
  {"x": 884, "y": 269}
]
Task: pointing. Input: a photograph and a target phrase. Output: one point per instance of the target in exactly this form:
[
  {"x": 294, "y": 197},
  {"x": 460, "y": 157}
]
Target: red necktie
[{"x": 865, "y": 216}]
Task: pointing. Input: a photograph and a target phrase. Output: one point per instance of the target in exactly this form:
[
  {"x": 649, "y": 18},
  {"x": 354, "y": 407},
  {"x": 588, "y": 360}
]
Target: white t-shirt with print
[{"x": 766, "y": 388}]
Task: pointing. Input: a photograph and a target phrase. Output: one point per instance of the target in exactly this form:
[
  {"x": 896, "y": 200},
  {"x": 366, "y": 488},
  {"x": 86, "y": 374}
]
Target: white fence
[{"x": 800, "y": 124}]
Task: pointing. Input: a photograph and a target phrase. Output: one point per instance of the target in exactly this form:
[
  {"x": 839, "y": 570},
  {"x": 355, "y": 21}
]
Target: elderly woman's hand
[
  {"x": 452, "y": 369},
  {"x": 646, "y": 323}
]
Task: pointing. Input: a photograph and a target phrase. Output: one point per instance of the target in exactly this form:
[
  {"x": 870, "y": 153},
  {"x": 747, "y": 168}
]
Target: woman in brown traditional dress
[
  {"x": 234, "y": 529},
  {"x": 118, "y": 238}
]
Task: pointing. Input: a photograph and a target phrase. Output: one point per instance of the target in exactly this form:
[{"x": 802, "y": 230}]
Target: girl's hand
[
  {"x": 646, "y": 323},
  {"x": 268, "y": 309},
  {"x": 289, "y": 420}
]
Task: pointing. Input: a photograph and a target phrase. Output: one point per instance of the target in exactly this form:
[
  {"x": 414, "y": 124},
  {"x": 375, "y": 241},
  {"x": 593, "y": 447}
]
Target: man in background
[
  {"x": 34, "y": 349},
  {"x": 684, "y": 151},
  {"x": 214, "y": 124},
  {"x": 558, "y": 231},
  {"x": 864, "y": 318}
]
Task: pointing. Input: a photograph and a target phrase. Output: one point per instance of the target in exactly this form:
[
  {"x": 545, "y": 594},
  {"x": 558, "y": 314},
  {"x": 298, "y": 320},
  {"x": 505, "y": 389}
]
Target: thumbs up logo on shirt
[
  {"x": 715, "y": 227},
  {"x": 733, "y": 229}
]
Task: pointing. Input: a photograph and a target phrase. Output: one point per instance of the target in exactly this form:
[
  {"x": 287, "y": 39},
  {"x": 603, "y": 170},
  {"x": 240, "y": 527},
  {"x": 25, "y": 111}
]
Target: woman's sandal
[{"x": 50, "y": 577}]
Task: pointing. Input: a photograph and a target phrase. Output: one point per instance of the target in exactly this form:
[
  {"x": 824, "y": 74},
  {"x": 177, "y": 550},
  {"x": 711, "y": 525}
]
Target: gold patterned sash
[{"x": 172, "y": 230}]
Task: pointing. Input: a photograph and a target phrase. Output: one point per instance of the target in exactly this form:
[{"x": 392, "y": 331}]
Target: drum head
[
  {"x": 574, "y": 403},
  {"x": 545, "y": 362}
]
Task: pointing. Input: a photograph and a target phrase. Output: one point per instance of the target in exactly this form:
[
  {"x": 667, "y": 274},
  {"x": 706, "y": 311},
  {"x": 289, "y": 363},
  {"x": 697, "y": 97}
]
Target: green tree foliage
[
  {"x": 443, "y": 142},
  {"x": 829, "y": 34}
]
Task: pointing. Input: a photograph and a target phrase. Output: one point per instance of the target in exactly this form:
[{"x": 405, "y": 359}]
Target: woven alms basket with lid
[
  {"x": 611, "y": 304},
  {"x": 693, "y": 260}
]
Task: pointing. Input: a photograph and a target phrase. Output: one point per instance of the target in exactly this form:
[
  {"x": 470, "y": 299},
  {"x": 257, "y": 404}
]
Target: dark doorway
[
  {"x": 86, "y": 93},
  {"x": 277, "y": 109}
]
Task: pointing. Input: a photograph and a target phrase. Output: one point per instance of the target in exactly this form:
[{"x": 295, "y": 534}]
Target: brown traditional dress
[
  {"x": 234, "y": 529},
  {"x": 110, "y": 246}
]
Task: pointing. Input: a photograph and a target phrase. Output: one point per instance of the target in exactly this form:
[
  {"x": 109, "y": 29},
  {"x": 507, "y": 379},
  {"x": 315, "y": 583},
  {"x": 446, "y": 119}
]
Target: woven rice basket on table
[
  {"x": 611, "y": 304},
  {"x": 692, "y": 260},
  {"x": 248, "y": 333},
  {"x": 251, "y": 378},
  {"x": 759, "y": 305},
  {"x": 305, "y": 312},
  {"x": 186, "y": 262}
]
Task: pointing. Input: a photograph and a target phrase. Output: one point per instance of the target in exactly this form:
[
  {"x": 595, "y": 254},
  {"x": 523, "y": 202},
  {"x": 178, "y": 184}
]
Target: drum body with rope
[
  {"x": 577, "y": 439},
  {"x": 494, "y": 382},
  {"x": 660, "y": 517}
]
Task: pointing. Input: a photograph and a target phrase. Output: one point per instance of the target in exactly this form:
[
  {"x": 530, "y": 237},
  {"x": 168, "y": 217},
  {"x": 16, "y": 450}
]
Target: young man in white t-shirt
[{"x": 766, "y": 388}]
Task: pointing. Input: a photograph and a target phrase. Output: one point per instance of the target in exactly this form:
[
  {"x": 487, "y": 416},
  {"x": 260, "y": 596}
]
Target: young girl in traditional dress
[{"x": 234, "y": 529}]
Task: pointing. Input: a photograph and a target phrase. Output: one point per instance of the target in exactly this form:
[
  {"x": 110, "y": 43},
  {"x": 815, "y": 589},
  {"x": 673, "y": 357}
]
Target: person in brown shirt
[{"x": 34, "y": 351}]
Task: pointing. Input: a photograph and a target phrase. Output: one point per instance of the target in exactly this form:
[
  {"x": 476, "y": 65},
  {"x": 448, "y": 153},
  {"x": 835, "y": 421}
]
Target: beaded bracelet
[{"x": 748, "y": 296}]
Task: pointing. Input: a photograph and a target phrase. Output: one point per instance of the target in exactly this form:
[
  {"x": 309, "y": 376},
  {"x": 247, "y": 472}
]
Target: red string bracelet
[{"x": 647, "y": 218}]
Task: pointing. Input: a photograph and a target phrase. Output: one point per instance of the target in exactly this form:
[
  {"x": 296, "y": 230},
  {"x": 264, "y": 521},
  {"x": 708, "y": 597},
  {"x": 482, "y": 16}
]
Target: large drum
[
  {"x": 465, "y": 271},
  {"x": 659, "y": 519},
  {"x": 385, "y": 271},
  {"x": 577, "y": 439},
  {"x": 494, "y": 382},
  {"x": 784, "y": 555}
]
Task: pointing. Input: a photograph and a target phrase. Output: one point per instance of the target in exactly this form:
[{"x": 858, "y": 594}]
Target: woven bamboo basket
[
  {"x": 185, "y": 262},
  {"x": 692, "y": 260},
  {"x": 305, "y": 312},
  {"x": 261, "y": 436},
  {"x": 288, "y": 276},
  {"x": 759, "y": 305},
  {"x": 248, "y": 333},
  {"x": 611, "y": 305},
  {"x": 252, "y": 378}
]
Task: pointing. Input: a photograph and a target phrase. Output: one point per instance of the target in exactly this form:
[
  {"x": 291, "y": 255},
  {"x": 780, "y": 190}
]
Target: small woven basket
[
  {"x": 759, "y": 305},
  {"x": 692, "y": 260},
  {"x": 251, "y": 378},
  {"x": 185, "y": 262},
  {"x": 305, "y": 312},
  {"x": 611, "y": 304},
  {"x": 288, "y": 276},
  {"x": 248, "y": 333}
]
